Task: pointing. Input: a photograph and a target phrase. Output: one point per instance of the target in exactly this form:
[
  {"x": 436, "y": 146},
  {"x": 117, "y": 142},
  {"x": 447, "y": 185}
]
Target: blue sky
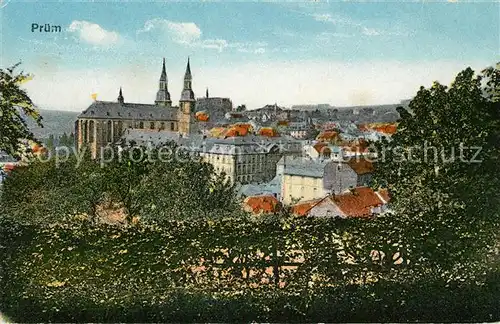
[{"x": 342, "y": 53}]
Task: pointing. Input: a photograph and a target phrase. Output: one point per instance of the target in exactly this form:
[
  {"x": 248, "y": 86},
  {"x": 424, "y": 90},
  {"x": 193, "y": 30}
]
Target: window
[
  {"x": 141, "y": 125},
  {"x": 152, "y": 125},
  {"x": 172, "y": 126},
  {"x": 109, "y": 130},
  {"x": 91, "y": 131},
  {"x": 85, "y": 131}
]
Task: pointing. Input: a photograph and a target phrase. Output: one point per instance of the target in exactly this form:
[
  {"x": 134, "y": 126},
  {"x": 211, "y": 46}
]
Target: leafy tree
[
  {"x": 15, "y": 107},
  {"x": 63, "y": 140},
  {"x": 53, "y": 190},
  {"x": 135, "y": 179},
  {"x": 51, "y": 142},
  {"x": 71, "y": 140},
  {"x": 441, "y": 167}
]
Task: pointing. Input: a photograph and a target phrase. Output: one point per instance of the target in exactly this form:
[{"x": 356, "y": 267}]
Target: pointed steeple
[
  {"x": 163, "y": 76},
  {"x": 187, "y": 92},
  {"x": 187, "y": 75},
  {"x": 163, "y": 96},
  {"x": 207, "y": 93},
  {"x": 120, "y": 96}
]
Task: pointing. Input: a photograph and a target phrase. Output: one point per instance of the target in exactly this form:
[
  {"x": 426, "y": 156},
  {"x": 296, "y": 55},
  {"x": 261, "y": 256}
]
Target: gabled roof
[
  {"x": 135, "y": 111},
  {"x": 321, "y": 147},
  {"x": 261, "y": 204},
  {"x": 303, "y": 208},
  {"x": 358, "y": 202}
]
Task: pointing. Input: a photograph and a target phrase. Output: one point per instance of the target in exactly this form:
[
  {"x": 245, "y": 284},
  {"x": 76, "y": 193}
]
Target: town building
[
  {"x": 354, "y": 203},
  {"x": 306, "y": 179},
  {"x": 243, "y": 159},
  {"x": 104, "y": 122}
]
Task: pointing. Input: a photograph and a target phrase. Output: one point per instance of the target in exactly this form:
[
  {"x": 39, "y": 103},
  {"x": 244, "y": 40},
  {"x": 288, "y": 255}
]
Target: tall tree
[
  {"x": 441, "y": 167},
  {"x": 15, "y": 107}
]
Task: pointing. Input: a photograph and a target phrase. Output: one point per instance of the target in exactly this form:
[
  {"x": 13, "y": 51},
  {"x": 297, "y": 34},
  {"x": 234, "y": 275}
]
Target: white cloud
[
  {"x": 370, "y": 32},
  {"x": 180, "y": 32},
  {"x": 336, "y": 20},
  {"x": 256, "y": 84},
  {"x": 93, "y": 33},
  {"x": 189, "y": 34},
  {"x": 346, "y": 27}
]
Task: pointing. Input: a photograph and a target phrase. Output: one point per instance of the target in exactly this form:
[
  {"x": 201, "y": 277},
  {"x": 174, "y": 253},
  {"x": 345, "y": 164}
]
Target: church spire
[
  {"x": 120, "y": 96},
  {"x": 187, "y": 92},
  {"x": 163, "y": 76},
  {"x": 207, "y": 93},
  {"x": 187, "y": 75},
  {"x": 163, "y": 96}
]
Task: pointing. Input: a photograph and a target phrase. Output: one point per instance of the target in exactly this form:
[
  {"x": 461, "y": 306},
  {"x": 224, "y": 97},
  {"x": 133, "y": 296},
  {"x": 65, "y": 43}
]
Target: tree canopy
[
  {"x": 15, "y": 107},
  {"x": 441, "y": 167}
]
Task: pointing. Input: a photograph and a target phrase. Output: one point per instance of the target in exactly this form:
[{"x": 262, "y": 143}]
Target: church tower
[
  {"x": 163, "y": 96},
  {"x": 187, "y": 105},
  {"x": 120, "y": 96}
]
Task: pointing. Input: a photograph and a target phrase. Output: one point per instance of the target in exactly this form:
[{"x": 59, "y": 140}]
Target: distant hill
[{"x": 54, "y": 122}]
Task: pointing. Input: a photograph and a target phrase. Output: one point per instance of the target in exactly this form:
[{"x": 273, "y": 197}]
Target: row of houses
[{"x": 359, "y": 202}]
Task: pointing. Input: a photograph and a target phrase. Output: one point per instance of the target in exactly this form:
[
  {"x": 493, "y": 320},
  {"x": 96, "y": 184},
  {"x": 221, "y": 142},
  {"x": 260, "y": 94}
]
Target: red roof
[
  {"x": 259, "y": 204},
  {"x": 303, "y": 208},
  {"x": 202, "y": 116},
  {"x": 386, "y": 128},
  {"x": 268, "y": 131},
  {"x": 327, "y": 135},
  {"x": 236, "y": 130},
  {"x": 320, "y": 146},
  {"x": 358, "y": 202},
  {"x": 361, "y": 165}
]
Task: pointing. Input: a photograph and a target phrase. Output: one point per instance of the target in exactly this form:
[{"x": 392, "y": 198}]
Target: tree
[
  {"x": 51, "y": 142},
  {"x": 47, "y": 192},
  {"x": 15, "y": 107},
  {"x": 441, "y": 167},
  {"x": 71, "y": 140},
  {"x": 63, "y": 140},
  {"x": 241, "y": 108}
]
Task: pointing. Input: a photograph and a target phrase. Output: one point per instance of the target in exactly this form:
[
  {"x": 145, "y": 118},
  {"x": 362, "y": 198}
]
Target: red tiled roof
[
  {"x": 322, "y": 148},
  {"x": 268, "y": 131},
  {"x": 358, "y": 202},
  {"x": 258, "y": 204},
  {"x": 327, "y": 135},
  {"x": 361, "y": 165},
  {"x": 202, "y": 116},
  {"x": 303, "y": 208},
  {"x": 236, "y": 130},
  {"x": 386, "y": 128}
]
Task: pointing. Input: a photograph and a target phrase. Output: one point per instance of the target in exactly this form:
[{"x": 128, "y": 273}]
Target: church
[{"x": 104, "y": 122}]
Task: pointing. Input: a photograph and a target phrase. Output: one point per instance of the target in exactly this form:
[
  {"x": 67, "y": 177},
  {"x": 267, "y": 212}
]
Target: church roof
[{"x": 135, "y": 111}]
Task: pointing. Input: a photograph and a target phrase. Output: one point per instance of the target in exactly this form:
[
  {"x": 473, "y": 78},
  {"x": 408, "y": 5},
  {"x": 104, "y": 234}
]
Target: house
[
  {"x": 307, "y": 179},
  {"x": 360, "y": 202},
  {"x": 261, "y": 204},
  {"x": 244, "y": 158},
  {"x": 323, "y": 150}
]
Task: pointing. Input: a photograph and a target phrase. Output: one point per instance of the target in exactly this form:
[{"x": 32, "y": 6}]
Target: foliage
[
  {"x": 233, "y": 269},
  {"x": 445, "y": 196},
  {"x": 55, "y": 188},
  {"x": 15, "y": 108}
]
